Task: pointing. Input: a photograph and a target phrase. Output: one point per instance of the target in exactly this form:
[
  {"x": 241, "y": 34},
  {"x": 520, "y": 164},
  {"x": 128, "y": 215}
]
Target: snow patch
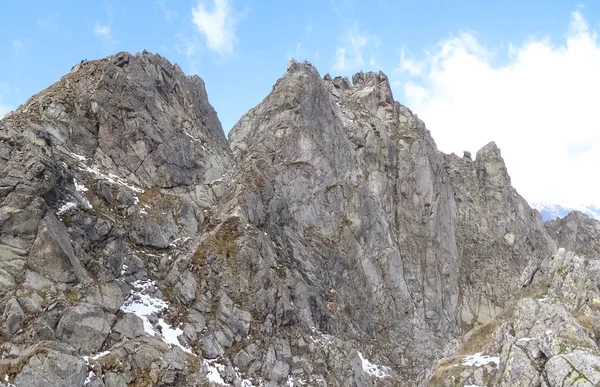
[
  {"x": 478, "y": 360},
  {"x": 171, "y": 334},
  {"x": 79, "y": 187},
  {"x": 7, "y": 381},
  {"x": 76, "y": 156},
  {"x": 95, "y": 357},
  {"x": 526, "y": 339},
  {"x": 89, "y": 378},
  {"x": 321, "y": 338},
  {"x": 291, "y": 382},
  {"x": 375, "y": 370},
  {"x": 112, "y": 178},
  {"x": 66, "y": 207},
  {"x": 143, "y": 305},
  {"x": 214, "y": 371}
]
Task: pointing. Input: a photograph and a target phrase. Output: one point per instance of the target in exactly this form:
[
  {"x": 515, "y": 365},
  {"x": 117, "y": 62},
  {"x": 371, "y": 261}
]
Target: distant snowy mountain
[{"x": 553, "y": 211}]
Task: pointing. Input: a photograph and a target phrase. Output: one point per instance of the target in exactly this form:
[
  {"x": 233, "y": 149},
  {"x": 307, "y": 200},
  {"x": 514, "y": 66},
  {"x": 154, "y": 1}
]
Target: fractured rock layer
[{"x": 328, "y": 242}]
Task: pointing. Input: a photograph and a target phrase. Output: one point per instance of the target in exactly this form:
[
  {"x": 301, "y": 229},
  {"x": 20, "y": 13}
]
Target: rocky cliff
[{"x": 327, "y": 242}]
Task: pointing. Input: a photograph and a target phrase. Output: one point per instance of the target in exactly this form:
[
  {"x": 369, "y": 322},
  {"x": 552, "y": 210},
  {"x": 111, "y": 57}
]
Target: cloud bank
[
  {"x": 217, "y": 25},
  {"x": 539, "y": 104}
]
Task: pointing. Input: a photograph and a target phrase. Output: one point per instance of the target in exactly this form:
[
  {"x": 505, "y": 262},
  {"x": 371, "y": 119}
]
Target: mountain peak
[{"x": 329, "y": 241}]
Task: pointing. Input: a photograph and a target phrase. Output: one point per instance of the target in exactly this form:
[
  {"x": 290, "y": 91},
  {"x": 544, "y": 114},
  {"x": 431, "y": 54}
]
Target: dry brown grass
[
  {"x": 12, "y": 367},
  {"x": 222, "y": 242}
]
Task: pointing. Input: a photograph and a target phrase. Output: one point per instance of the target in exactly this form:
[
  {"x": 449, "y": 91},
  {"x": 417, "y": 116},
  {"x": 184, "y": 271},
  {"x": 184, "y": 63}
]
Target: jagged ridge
[{"x": 329, "y": 230}]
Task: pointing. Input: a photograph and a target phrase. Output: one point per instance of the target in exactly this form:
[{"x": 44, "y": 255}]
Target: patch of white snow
[
  {"x": 112, "y": 178},
  {"x": 66, "y": 207},
  {"x": 79, "y": 187},
  {"x": 526, "y": 339},
  {"x": 171, "y": 334},
  {"x": 213, "y": 374},
  {"x": 78, "y": 157},
  {"x": 373, "y": 369},
  {"x": 478, "y": 360}
]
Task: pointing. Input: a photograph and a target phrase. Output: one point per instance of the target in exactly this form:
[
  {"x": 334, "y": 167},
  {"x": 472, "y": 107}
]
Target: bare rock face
[
  {"x": 341, "y": 179},
  {"x": 547, "y": 336},
  {"x": 328, "y": 242},
  {"x": 102, "y": 177},
  {"x": 578, "y": 233},
  {"x": 498, "y": 235}
]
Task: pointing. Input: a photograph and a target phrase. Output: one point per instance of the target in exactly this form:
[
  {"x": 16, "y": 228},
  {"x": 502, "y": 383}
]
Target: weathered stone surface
[
  {"x": 130, "y": 326},
  {"x": 576, "y": 232},
  {"x": 85, "y": 327},
  {"x": 52, "y": 254},
  {"x": 149, "y": 233},
  {"x": 13, "y": 317},
  {"x": 554, "y": 321},
  {"x": 578, "y": 368},
  {"x": 330, "y": 223},
  {"x": 52, "y": 369}
]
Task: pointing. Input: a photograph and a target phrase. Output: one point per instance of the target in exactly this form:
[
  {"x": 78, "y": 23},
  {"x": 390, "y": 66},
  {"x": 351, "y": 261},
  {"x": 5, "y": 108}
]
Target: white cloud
[
  {"x": 103, "y": 31},
  {"x": 540, "y": 106},
  {"x": 217, "y": 25},
  {"x": 18, "y": 46},
  {"x": 350, "y": 55},
  {"x": 413, "y": 67}
]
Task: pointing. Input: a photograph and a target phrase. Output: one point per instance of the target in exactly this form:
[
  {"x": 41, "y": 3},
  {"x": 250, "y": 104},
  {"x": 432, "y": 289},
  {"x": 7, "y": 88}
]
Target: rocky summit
[{"x": 327, "y": 242}]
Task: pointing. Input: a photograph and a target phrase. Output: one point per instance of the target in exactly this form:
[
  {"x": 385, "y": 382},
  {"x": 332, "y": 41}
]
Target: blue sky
[{"x": 475, "y": 71}]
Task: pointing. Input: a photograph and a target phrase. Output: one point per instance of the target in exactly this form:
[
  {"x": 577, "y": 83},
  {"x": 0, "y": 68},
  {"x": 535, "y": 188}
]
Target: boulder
[
  {"x": 52, "y": 369},
  {"x": 85, "y": 327},
  {"x": 52, "y": 254},
  {"x": 13, "y": 317}
]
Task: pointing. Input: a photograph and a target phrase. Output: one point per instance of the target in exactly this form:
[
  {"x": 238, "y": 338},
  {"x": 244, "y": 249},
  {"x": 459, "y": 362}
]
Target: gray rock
[
  {"x": 85, "y": 327},
  {"x": 148, "y": 233},
  {"x": 52, "y": 254},
  {"x": 185, "y": 289},
  {"x": 105, "y": 190},
  {"x": 32, "y": 303},
  {"x": 114, "y": 255},
  {"x": 211, "y": 348},
  {"x": 52, "y": 369},
  {"x": 130, "y": 326},
  {"x": 329, "y": 222},
  {"x": 578, "y": 368},
  {"x": 112, "y": 379},
  {"x": 112, "y": 296},
  {"x": 12, "y": 265},
  {"x": 36, "y": 281},
  {"x": 576, "y": 232},
  {"x": 280, "y": 371},
  {"x": 242, "y": 359},
  {"x": 13, "y": 317},
  {"x": 145, "y": 356}
]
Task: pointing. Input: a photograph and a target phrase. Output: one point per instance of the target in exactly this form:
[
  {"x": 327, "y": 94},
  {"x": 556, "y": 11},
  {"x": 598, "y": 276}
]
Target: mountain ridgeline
[{"x": 327, "y": 242}]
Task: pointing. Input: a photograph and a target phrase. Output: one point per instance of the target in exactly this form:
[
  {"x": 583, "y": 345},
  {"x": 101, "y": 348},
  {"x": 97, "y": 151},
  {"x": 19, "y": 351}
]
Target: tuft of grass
[
  {"x": 73, "y": 296},
  {"x": 222, "y": 242},
  {"x": 12, "y": 367}
]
